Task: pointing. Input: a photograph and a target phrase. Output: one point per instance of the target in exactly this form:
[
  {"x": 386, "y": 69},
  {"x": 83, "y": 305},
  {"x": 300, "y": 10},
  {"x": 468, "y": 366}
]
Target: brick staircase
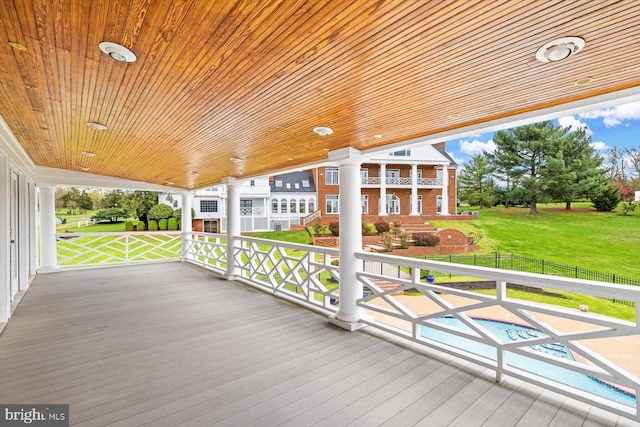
[{"x": 407, "y": 229}]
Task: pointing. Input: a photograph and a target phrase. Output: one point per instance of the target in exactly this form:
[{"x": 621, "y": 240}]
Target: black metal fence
[{"x": 534, "y": 265}]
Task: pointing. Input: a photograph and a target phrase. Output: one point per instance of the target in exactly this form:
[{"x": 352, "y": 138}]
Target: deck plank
[{"x": 175, "y": 344}]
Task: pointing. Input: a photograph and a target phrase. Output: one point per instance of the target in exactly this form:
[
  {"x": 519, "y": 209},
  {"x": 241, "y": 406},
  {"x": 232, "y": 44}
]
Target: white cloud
[
  {"x": 476, "y": 147},
  {"x": 599, "y": 145},
  {"x": 455, "y": 159},
  {"x": 574, "y": 124},
  {"x": 615, "y": 116}
]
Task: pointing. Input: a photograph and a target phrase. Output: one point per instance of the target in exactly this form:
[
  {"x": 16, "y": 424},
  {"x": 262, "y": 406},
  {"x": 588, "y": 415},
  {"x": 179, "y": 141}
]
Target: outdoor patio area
[{"x": 172, "y": 343}]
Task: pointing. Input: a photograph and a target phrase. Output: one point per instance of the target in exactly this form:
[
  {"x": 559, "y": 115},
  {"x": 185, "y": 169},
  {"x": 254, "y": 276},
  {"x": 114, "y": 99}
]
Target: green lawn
[{"x": 607, "y": 242}]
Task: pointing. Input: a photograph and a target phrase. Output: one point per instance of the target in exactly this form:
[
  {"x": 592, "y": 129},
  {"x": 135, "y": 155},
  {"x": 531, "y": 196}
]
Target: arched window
[
  {"x": 393, "y": 204},
  {"x": 274, "y": 205},
  {"x": 293, "y": 205},
  {"x": 302, "y": 204},
  {"x": 312, "y": 205},
  {"x": 283, "y": 205}
]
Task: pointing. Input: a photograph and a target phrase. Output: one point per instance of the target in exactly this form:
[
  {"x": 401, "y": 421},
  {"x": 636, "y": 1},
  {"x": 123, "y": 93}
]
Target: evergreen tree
[
  {"x": 476, "y": 182},
  {"x": 521, "y": 156},
  {"x": 573, "y": 167}
]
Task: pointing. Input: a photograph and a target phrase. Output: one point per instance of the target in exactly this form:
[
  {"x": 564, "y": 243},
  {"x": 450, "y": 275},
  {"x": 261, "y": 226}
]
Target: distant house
[
  {"x": 419, "y": 182},
  {"x": 293, "y": 197}
]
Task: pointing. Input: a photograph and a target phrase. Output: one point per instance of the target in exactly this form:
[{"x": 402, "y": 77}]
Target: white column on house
[
  {"x": 185, "y": 224},
  {"x": 33, "y": 247},
  {"x": 414, "y": 190},
  {"x": 48, "y": 249},
  {"x": 382, "y": 205},
  {"x": 233, "y": 225},
  {"x": 350, "y": 209},
  {"x": 445, "y": 191}
]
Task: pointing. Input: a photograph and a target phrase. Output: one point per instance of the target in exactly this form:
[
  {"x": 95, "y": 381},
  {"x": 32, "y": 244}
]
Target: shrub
[
  {"x": 172, "y": 224},
  {"x": 162, "y": 224},
  {"x": 366, "y": 229},
  {"x": 318, "y": 228},
  {"x": 607, "y": 200},
  {"x": 396, "y": 227},
  {"x": 425, "y": 239},
  {"x": 153, "y": 225},
  {"x": 628, "y": 207},
  {"x": 334, "y": 228},
  {"x": 128, "y": 226},
  {"x": 474, "y": 237},
  {"x": 160, "y": 211},
  {"x": 110, "y": 214},
  {"x": 140, "y": 226},
  {"x": 403, "y": 241},
  {"x": 388, "y": 242},
  {"x": 382, "y": 227}
]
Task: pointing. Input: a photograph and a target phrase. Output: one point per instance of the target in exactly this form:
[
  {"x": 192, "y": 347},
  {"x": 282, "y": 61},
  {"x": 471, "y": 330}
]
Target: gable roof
[{"x": 293, "y": 183}]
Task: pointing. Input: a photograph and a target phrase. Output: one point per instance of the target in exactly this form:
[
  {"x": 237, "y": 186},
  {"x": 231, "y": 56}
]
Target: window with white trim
[
  {"x": 331, "y": 176},
  {"x": 306, "y": 183},
  {"x": 208, "y": 206},
  {"x": 293, "y": 205},
  {"x": 274, "y": 205},
  {"x": 333, "y": 205},
  {"x": 312, "y": 205},
  {"x": 302, "y": 206},
  {"x": 364, "y": 200},
  {"x": 439, "y": 203},
  {"x": 283, "y": 206}
]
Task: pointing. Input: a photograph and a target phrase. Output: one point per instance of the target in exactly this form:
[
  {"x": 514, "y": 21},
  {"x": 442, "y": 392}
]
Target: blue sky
[{"x": 617, "y": 126}]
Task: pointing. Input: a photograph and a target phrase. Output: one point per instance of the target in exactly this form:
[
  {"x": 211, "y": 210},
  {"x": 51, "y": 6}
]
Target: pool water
[{"x": 508, "y": 332}]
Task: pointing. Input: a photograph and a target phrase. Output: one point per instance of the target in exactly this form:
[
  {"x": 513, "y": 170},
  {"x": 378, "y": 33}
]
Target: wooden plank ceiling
[{"x": 250, "y": 79}]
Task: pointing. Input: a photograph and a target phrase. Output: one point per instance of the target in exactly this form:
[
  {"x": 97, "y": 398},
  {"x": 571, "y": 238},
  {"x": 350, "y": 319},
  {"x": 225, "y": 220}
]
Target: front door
[
  {"x": 14, "y": 223},
  {"x": 210, "y": 225}
]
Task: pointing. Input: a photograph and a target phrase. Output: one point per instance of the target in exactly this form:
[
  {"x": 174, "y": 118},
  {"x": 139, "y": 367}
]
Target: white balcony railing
[
  {"x": 246, "y": 211},
  {"x": 402, "y": 181},
  {"x": 558, "y": 348},
  {"x": 80, "y": 250}
]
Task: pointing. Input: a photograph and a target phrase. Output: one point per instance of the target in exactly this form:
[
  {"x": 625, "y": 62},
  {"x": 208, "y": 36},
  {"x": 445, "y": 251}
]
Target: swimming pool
[{"x": 508, "y": 332}]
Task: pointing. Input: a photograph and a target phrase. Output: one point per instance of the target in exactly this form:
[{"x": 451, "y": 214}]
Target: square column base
[{"x": 349, "y": 326}]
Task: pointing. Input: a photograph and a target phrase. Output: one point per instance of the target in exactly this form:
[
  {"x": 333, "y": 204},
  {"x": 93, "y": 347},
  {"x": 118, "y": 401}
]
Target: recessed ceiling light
[
  {"x": 169, "y": 182},
  {"x": 96, "y": 126},
  {"x": 17, "y": 46},
  {"x": 117, "y": 52},
  {"x": 88, "y": 154},
  {"x": 377, "y": 136},
  {"x": 560, "y": 49},
  {"x": 235, "y": 159},
  {"x": 326, "y": 149},
  {"x": 289, "y": 158},
  {"x": 30, "y": 86},
  {"x": 454, "y": 116},
  {"x": 83, "y": 168},
  {"x": 323, "y": 130},
  {"x": 583, "y": 81}
]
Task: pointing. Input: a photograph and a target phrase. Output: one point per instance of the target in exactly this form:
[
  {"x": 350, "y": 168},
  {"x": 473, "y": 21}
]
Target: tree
[
  {"x": 573, "y": 167},
  {"x": 632, "y": 155},
  {"x": 521, "y": 156},
  {"x": 607, "y": 199},
  {"x": 113, "y": 199},
  {"x": 75, "y": 199},
  {"x": 138, "y": 203},
  {"x": 110, "y": 214},
  {"x": 476, "y": 181},
  {"x": 615, "y": 167},
  {"x": 160, "y": 211}
]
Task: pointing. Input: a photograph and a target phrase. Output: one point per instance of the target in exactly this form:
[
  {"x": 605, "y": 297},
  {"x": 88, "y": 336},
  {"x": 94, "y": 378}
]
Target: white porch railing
[
  {"x": 81, "y": 250},
  {"x": 433, "y": 315}
]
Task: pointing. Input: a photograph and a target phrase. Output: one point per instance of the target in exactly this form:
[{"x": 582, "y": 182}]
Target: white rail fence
[
  {"x": 82, "y": 250},
  {"x": 539, "y": 343}
]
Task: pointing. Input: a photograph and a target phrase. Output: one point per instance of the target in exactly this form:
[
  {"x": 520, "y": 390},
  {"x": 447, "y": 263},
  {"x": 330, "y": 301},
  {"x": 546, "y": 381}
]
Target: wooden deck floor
[{"x": 173, "y": 344}]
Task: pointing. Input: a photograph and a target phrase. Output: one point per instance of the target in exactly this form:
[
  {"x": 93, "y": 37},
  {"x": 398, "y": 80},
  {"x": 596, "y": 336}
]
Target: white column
[
  {"x": 48, "y": 249},
  {"x": 382, "y": 205},
  {"x": 5, "y": 279},
  {"x": 33, "y": 247},
  {"x": 233, "y": 225},
  {"x": 414, "y": 190},
  {"x": 23, "y": 233},
  {"x": 185, "y": 224},
  {"x": 445, "y": 191},
  {"x": 349, "y": 314}
]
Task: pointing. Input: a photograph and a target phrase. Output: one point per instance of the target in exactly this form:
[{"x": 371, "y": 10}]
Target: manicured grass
[
  {"x": 607, "y": 242},
  {"x": 301, "y": 237},
  {"x": 101, "y": 227}
]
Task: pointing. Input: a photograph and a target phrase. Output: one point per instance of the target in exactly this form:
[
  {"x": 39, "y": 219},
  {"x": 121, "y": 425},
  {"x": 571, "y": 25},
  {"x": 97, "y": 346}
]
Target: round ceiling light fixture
[
  {"x": 560, "y": 49},
  {"x": 88, "y": 154},
  {"x": 583, "y": 81},
  {"x": 117, "y": 52},
  {"x": 17, "y": 46},
  {"x": 323, "y": 130},
  {"x": 96, "y": 126},
  {"x": 235, "y": 159},
  {"x": 377, "y": 136},
  {"x": 83, "y": 168}
]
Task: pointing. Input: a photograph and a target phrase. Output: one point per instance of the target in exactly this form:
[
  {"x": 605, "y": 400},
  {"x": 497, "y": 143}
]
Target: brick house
[{"x": 431, "y": 194}]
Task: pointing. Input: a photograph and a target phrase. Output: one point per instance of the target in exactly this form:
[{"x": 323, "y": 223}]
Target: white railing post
[
  {"x": 48, "y": 249},
  {"x": 185, "y": 223},
  {"x": 414, "y": 190},
  {"x": 350, "y": 208},
  {"x": 233, "y": 225},
  {"x": 126, "y": 249}
]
